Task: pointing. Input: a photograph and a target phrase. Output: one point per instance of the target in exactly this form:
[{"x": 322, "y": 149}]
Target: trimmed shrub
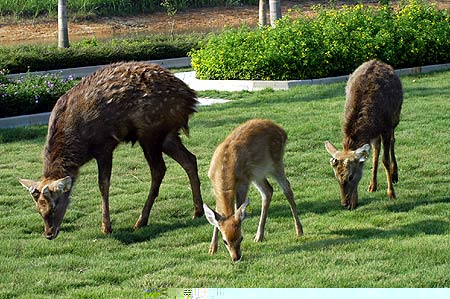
[
  {"x": 332, "y": 43},
  {"x": 93, "y": 52}
]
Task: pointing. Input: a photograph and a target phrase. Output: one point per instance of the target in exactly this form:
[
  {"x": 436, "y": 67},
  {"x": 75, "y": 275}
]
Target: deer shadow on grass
[
  {"x": 127, "y": 235},
  {"x": 348, "y": 236},
  {"x": 406, "y": 206},
  {"x": 279, "y": 207}
]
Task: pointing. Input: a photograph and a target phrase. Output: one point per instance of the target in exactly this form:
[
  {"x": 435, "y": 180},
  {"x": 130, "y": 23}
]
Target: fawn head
[
  {"x": 52, "y": 199},
  {"x": 348, "y": 168},
  {"x": 230, "y": 228}
]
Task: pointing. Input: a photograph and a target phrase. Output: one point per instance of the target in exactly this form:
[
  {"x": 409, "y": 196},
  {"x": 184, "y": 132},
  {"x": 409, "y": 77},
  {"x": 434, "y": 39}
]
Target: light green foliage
[
  {"x": 334, "y": 42},
  {"x": 402, "y": 243}
]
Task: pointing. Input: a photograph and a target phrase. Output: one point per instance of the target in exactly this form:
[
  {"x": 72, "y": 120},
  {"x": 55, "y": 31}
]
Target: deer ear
[
  {"x": 362, "y": 153},
  {"x": 212, "y": 216},
  {"x": 331, "y": 149},
  {"x": 240, "y": 213},
  {"x": 61, "y": 185},
  {"x": 31, "y": 186}
]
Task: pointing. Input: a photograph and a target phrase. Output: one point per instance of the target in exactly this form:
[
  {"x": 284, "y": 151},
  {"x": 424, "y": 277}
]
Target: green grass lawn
[{"x": 402, "y": 243}]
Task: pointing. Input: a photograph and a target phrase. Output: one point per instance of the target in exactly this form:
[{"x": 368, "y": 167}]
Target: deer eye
[
  {"x": 333, "y": 162},
  {"x": 225, "y": 242}
]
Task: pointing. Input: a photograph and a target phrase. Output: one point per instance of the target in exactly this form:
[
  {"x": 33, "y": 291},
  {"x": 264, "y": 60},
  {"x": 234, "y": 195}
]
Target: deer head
[
  {"x": 348, "y": 168},
  {"x": 230, "y": 228},
  {"x": 52, "y": 199}
]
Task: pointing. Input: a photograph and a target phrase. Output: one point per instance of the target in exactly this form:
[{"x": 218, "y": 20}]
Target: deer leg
[
  {"x": 158, "y": 170},
  {"x": 376, "y": 153},
  {"x": 266, "y": 191},
  {"x": 280, "y": 176},
  {"x": 175, "y": 149},
  {"x": 214, "y": 240},
  {"x": 104, "y": 164},
  {"x": 387, "y": 164},
  {"x": 241, "y": 194},
  {"x": 394, "y": 168}
]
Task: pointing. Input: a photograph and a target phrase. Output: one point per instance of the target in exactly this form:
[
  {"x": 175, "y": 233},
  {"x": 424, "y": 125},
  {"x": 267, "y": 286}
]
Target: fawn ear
[
  {"x": 61, "y": 185},
  {"x": 331, "y": 149},
  {"x": 31, "y": 186},
  {"x": 212, "y": 216},
  {"x": 362, "y": 153},
  {"x": 240, "y": 213}
]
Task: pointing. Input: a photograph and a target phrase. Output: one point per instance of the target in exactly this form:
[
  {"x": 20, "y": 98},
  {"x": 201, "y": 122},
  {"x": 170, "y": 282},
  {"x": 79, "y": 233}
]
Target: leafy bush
[
  {"x": 31, "y": 94},
  {"x": 334, "y": 42},
  {"x": 93, "y": 52}
]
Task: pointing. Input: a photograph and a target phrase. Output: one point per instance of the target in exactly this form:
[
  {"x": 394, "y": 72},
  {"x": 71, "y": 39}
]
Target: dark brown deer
[
  {"x": 374, "y": 99},
  {"x": 121, "y": 102}
]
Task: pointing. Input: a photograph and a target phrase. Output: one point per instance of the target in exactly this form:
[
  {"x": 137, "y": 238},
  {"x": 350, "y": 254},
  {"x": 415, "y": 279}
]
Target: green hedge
[
  {"x": 334, "y": 42},
  {"x": 93, "y": 52}
]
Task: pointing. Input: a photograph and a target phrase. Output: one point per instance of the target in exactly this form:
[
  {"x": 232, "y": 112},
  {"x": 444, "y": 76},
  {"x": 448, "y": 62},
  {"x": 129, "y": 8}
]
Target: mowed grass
[{"x": 401, "y": 243}]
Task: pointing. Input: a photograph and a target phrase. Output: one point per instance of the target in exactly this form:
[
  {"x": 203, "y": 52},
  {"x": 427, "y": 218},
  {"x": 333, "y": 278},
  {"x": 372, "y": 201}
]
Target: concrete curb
[
  {"x": 254, "y": 85},
  {"x": 251, "y": 85},
  {"x": 42, "y": 118},
  {"x": 24, "y": 120}
]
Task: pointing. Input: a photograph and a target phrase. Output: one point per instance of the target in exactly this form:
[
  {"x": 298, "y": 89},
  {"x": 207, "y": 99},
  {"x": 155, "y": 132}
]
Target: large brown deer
[
  {"x": 252, "y": 152},
  {"x": 372, "y": 111},
  {"x": 121, "y": 102}
]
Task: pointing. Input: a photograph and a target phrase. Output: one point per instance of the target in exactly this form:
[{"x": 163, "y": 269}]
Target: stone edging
[
  {"x": 254, "y": 85},
  {"x": 42, "y": 118}
]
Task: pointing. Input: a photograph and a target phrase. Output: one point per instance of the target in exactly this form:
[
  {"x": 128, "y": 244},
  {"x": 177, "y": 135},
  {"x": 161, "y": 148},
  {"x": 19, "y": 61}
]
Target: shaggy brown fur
[
  {"x": 122, "y": 102},
  {"x": 372, "y": 111},
  {"x": 374, "y": 100}
]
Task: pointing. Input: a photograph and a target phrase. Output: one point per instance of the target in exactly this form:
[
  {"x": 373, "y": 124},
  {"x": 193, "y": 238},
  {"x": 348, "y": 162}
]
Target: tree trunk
[
  {"x": 63, "y": 29},
  {"x": 263, "y": 5},
  {"x": 275, "y": 11}
]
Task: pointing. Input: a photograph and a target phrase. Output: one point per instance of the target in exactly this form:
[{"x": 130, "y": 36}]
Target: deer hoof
[
  {"x": 391, "y": 194},
  {"x": 212, "y": 249},
  {"x": 258, "y": 238},
  {"x": 198, "y": 213},
  {"x": 372, "y": 187},
  {"x": 106, "y": 229},
  {"x": 394, "y": 178},
  {"x": 140, "y": 223}
]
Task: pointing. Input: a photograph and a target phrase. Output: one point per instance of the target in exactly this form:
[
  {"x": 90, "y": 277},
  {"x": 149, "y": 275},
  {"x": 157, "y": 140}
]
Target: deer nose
[
  {"x": 51, "y": 234},
  {"x": 237, "y": 258}
]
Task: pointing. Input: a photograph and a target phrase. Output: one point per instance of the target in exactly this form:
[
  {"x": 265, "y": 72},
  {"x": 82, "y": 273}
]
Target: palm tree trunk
[
  {"x": 63, "y": 30},
  {"x": 263, "y": 5},
  {"x": 275, "y": 11}
]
